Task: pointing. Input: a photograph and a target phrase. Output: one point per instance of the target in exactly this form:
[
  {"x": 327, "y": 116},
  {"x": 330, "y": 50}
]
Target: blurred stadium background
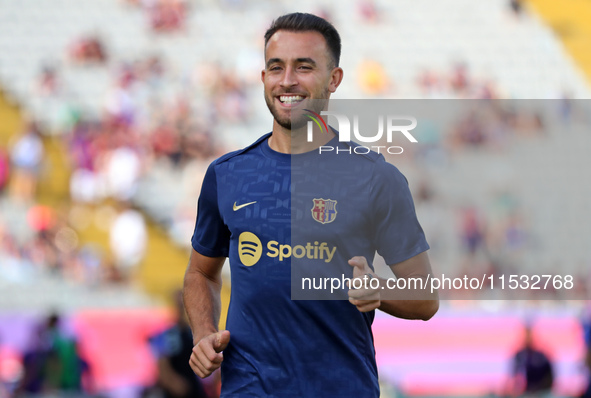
[{"x": 110, "y": 111}]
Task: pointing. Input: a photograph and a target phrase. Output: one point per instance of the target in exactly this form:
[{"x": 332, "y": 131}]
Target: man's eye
[
  {"x": 305, "y": 67},
  {"x": 274, "y": 68}
]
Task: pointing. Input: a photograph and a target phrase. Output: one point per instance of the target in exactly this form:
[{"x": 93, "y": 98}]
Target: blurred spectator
[
  {"x": 128, "y": 239},
  {"x": 122, "y": 169},
  {"x": 166, "y": 15},
  {"x": 469, "y": 132},
  {"x": 81, "y": 144},
  {"x": 112, "y": 274},
  {"x": 91, "y": 265},
  {"x": 166, "y": 143},
  {"x": 26, "y": 155},
  {"x": 430, "y": 84},
  {"x": 372, "y": 78},
  {"x": 87, "y": 50},
  {"x": 516, "y": 7},
  {"x": 86, "y": 185},
  {"x": 120, "y": 105},
  {"x": 460, "y": 81},
  {"x": 48, "y": 83},
  {"x": 67, "y": 370},
  {"x": 173, "y": 349},
  {"x": 516, "y": 235},
  {"x": 532, "y": 370},
  {"x": 473, "y": 230},
  {"x": 198, "y": 145},
  {"x": 13, "y": 267},
  {"x": 367, "y": 10},
  {"x": 35, "y": 363},
  {"x": 53, "y": 364}
]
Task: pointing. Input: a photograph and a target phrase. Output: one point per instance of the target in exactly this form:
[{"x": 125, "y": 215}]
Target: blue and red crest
[{"x": 324, "y": 210}]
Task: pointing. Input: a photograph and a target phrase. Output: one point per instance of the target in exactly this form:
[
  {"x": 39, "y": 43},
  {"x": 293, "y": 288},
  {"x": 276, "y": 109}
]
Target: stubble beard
[{"x": 296, "y": 120}]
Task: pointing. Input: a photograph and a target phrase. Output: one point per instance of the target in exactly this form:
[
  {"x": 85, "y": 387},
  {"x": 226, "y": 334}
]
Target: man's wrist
[{"x": 203, "y": 333}]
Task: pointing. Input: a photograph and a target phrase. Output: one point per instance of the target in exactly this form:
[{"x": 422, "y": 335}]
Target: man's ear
[
  {"x": 336, "y": 77},
  {"x": 263, "y": 76}
]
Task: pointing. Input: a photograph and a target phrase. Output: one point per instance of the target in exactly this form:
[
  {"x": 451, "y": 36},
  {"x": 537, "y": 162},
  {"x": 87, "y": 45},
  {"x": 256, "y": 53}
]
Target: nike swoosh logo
[{"x": 241, "y": 206}]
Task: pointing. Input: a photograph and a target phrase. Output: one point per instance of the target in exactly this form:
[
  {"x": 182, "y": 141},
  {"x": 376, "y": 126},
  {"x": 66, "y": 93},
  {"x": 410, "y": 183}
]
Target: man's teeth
[{"x": 290, "y": 99}]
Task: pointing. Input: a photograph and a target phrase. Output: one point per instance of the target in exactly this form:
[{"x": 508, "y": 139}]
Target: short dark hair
[{"x": 303, "y": 22}]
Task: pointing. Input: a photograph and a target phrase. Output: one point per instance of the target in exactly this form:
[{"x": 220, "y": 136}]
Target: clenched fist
[
  {"x": 207, "y": 354},
  {"x": 365, "y": 298}
]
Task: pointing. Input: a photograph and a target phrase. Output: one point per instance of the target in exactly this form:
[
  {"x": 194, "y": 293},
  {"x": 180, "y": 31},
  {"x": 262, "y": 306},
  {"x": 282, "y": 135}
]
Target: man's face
[{"x": 298, "y": 67}]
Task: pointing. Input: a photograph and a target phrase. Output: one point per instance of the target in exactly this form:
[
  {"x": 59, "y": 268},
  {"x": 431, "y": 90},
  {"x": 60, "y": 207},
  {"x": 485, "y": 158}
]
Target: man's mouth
[{"x": 291, "y": 99}]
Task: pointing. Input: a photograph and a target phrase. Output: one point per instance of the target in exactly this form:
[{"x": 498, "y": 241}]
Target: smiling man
[
  {"x": 264, "y": 208},
  {"x": 299, "y": 66}
]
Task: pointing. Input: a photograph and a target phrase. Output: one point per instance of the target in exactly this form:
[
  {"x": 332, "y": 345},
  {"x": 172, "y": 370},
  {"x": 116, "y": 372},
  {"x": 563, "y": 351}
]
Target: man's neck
[{"x": 285, "y": 141}]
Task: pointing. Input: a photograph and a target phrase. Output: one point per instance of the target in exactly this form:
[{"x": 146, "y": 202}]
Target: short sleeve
[
  {"x": 211, "y": 236},
  {"x": 397, "y": 234}
]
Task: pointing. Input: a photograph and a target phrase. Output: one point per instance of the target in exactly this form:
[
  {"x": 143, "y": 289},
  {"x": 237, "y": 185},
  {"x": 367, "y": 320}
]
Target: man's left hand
[{"x": 365, "y": 298}]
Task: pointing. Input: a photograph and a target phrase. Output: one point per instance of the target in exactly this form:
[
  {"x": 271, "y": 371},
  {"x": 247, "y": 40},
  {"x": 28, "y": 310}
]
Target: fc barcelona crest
[{"x": 324, "y": 210}]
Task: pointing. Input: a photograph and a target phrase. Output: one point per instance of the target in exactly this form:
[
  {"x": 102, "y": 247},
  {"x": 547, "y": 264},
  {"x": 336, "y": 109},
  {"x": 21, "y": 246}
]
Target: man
[
  {"x": 248, "y": 206},
  {"x": 53, "y": 364},
  {"x": 532, "y": 369},
  {"x": 173, "y": 347}
]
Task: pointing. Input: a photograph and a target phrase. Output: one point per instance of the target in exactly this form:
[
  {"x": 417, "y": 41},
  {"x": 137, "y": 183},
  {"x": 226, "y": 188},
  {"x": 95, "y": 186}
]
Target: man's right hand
[{"x": 207, "y": 354}]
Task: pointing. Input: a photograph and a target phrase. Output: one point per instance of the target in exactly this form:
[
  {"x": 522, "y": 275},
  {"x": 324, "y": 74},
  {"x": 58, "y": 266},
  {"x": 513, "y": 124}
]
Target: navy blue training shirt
[{"x": 280, "y": 218}]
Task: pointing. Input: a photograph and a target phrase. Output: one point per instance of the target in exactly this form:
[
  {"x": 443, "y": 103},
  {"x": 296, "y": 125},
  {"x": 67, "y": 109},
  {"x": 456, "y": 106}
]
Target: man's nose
[{"x": 289, "y": 78}]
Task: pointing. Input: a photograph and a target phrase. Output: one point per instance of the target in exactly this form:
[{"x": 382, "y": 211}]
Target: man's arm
[
  {"x": 409, "y": 303},
  {"x": 201, "y": 296}
]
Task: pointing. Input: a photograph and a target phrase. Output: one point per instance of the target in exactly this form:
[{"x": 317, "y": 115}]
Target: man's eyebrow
[
  {"x": 299, "y": 60},
  {"x": 306, "y": 60},
  {"x": 273, "y": 60}
]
